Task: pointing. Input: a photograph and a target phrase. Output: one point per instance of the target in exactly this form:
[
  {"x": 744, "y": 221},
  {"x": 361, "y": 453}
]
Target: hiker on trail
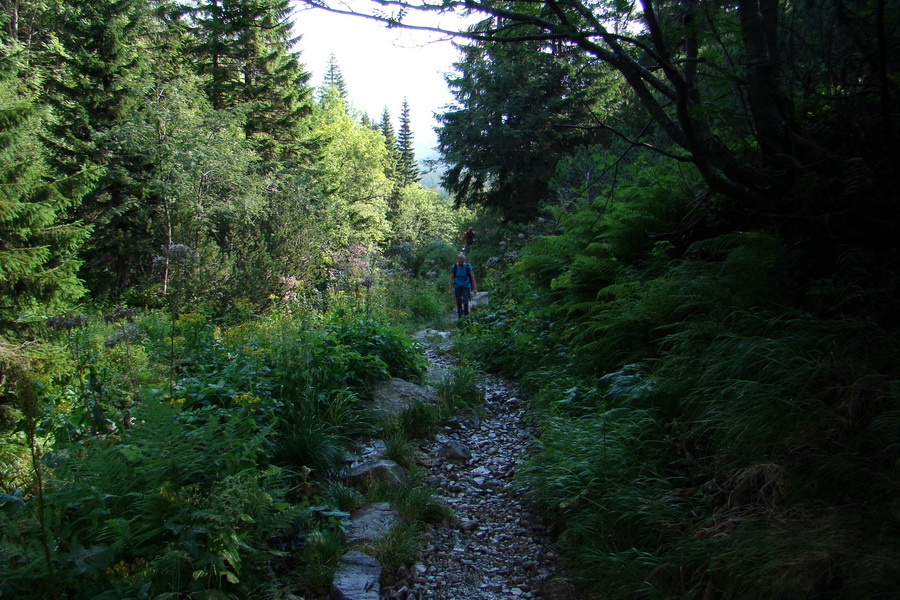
[
  {"x": 468, "y": 238},
  {"x": 462, "y": 283}
]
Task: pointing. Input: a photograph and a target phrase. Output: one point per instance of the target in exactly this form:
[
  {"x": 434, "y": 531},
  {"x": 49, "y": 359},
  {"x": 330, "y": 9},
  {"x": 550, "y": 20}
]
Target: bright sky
[{"x": 381, "y": 67}]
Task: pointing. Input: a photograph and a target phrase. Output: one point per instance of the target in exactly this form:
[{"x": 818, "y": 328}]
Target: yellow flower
[
  {"x": 190, "y": 319},
  {"x": 245, "y": 398}
]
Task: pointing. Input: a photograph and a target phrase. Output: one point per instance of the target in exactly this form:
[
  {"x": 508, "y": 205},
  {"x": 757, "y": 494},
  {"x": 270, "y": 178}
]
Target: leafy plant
[
  {"x": 177, "y": 504},
  {"x": 376, "y": 339}
]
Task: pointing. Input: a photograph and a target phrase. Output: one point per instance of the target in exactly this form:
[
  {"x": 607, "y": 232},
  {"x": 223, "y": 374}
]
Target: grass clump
[
  {"x": 320, "y": 558},
  {"x": 416, "y": 501},
  {"x": 399, "y": 547},
  {"x": 459, "y": 391},
  {"x": 399, "y": 446},
  {"x": 421, "y": 419},
  {"x": 342, "y": 496}
]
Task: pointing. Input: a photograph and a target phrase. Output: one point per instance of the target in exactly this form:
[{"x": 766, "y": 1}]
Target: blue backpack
[{"x": 468, "y": 270}]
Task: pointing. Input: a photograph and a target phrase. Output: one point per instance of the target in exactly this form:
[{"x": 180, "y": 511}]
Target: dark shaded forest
[{"x": 686, "y": 217}]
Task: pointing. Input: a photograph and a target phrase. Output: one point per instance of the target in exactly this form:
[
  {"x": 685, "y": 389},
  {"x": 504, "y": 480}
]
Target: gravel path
[{"x": 498, "y": 549}]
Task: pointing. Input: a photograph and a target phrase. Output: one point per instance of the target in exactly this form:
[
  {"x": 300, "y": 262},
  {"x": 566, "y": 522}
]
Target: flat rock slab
[
  {"x": 357, "y": 578},
  {"x": 435, "y": 336},
  {"x": 372, "y": 522},
  {"x": 479, "y": 299}
]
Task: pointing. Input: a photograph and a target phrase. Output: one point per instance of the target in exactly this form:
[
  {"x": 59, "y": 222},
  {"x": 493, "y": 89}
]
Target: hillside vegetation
[{"x": 685, "y": 217}]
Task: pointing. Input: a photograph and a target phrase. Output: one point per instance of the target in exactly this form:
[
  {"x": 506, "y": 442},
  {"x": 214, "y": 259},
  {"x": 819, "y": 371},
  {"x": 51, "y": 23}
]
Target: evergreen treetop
[
  {"x": 407, "y": 168},
  {"x": 334, "y": 77}
]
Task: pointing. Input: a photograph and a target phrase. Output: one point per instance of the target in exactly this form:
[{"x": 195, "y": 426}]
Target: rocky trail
[{"x": 496, "y": 547}]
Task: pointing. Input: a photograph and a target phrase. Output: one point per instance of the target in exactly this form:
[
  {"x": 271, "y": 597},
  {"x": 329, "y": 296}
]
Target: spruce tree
[
  {"x": 38, "y": 249},
  {"x": 93, "y": 89},
  {"x": 276, "y": 86},
  {"x": 334, "y": 77},
  {"x": 390, "y": 142},
  {"x": 518, "y": 110},
  {"x": 407, "y": 168},
  {"x": 243, "y": 52}
]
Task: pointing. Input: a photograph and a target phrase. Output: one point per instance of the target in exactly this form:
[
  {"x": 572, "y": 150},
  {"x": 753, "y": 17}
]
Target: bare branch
[{"x": 634, "y": 142}]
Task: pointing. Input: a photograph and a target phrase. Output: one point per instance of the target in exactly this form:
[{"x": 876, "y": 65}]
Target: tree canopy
[{"x": 750, "y": 93}]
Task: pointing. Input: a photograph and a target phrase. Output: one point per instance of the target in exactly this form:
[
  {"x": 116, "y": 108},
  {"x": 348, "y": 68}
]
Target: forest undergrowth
[
  {"x": 151, "y": 454},
  {"x": 719, "y": 417}
]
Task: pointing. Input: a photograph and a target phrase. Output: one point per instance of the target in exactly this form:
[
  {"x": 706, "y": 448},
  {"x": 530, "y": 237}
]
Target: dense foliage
[
  {"x": 714, "y": 420},
  {"x": 194, "y": 302},
  {"x": 691, "y": 260},
  {"x": 707, "y": 318},
  {"x": 178, "y": 456}
]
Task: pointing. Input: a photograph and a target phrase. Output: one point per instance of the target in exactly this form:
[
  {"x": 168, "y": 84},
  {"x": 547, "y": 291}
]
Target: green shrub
[
  {"x": 377, "y": 339},
  {"x": 435, "y": 259}
]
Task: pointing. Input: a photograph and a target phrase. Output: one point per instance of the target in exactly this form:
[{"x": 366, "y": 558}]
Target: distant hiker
[
  {"x": 468, "y": 238},
  {"x": 462, "y": 283}
]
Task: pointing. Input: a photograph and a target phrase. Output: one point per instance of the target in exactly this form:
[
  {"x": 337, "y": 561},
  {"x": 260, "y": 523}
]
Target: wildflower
[
  {"x": 176, "y": 252},
  {"x": 181, "y": 251}
]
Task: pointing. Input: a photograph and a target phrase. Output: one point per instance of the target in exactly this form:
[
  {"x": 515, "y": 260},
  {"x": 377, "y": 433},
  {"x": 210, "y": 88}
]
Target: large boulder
[{"x": 454, "y": 451}]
